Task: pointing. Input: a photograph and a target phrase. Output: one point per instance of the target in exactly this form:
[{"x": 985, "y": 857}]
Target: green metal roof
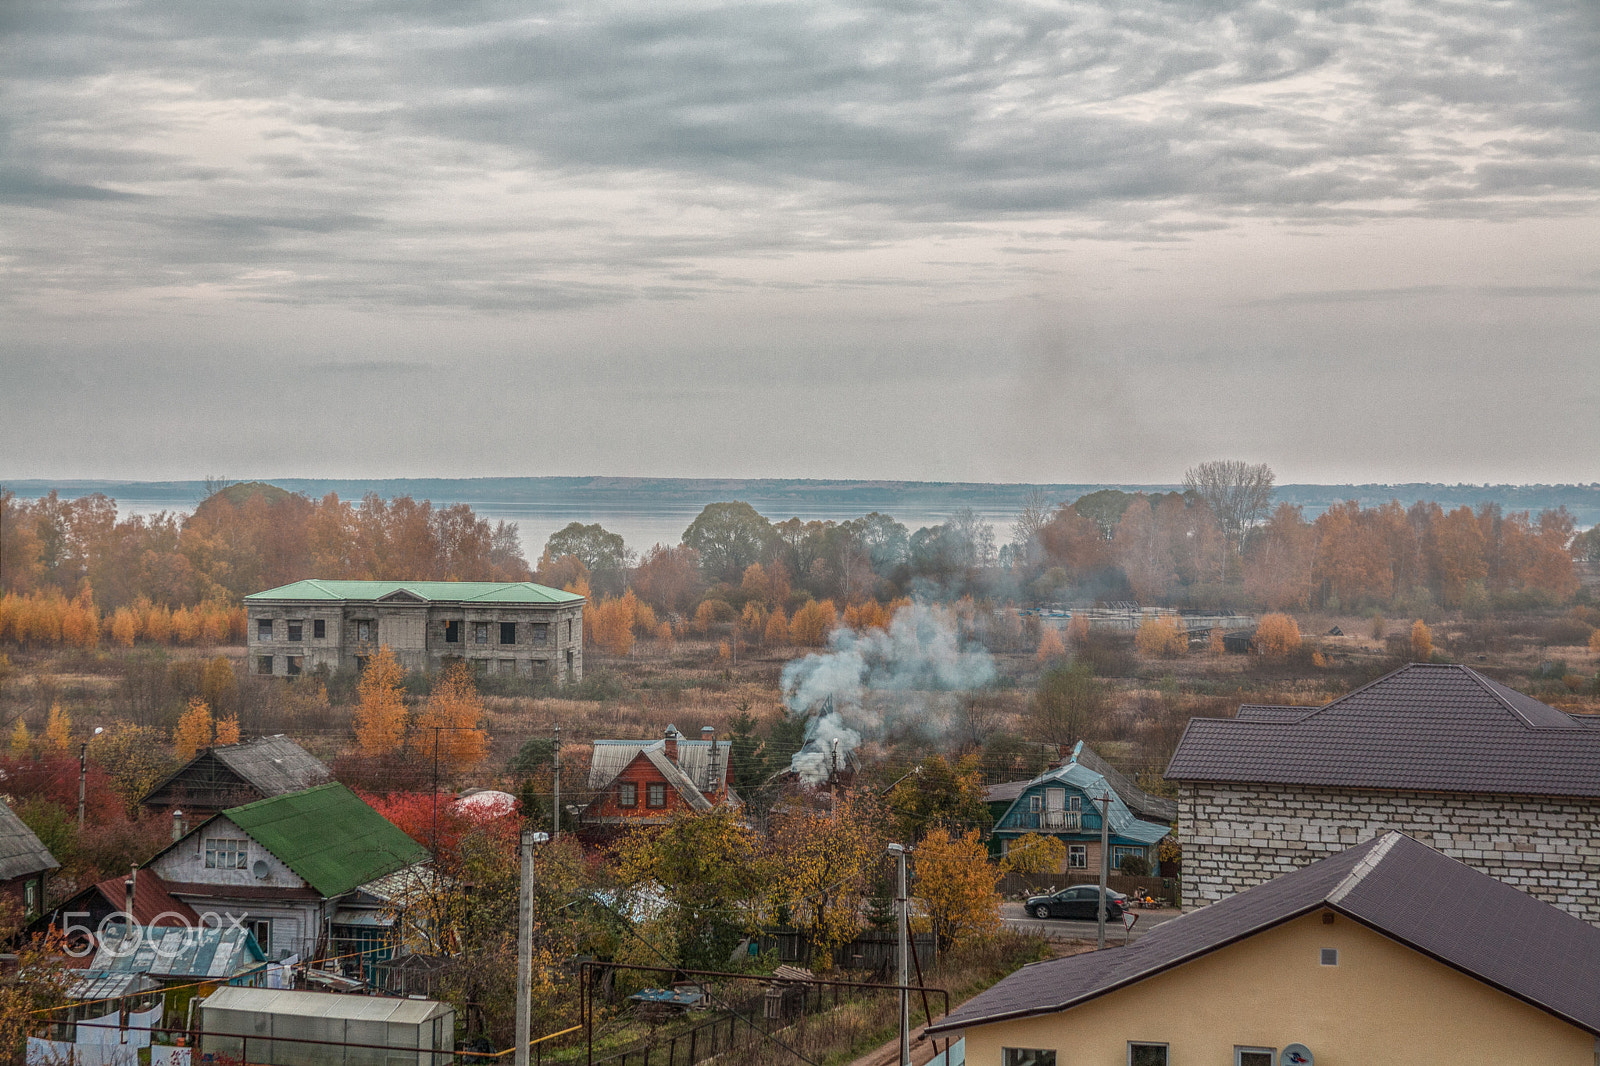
[
  {"x": 328, "y": 836},
  {"x": 520, "y": 592}
]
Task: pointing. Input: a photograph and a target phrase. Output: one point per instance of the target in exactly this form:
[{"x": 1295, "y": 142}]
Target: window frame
[
  {"x": 264, "y": 665},
  {"x": 1077, "y": 851},
  {"x": 655, "y": 794},
  {"x": 1136, "y": 1045},
  {"x": 237, "y": 847},
  {"x": 628, "y": 794},
  {"x": 366, "y": 630},
  {"x": 541, "y": 632},
  {"x": 1035, "y": 803},
  {"x": 1240, "y": 1050},
  {"x": 452, "y": 631},
  {"x": 1120, "y": 851},
  {"x": 504, "y": 626},
  {"x": 319, "y": 629},
  {"x": 294, "y": 665},
  {"x": 480, "y": 633},
  {"x": 264, "y": 629},
  {"x": 255, "y": 925},
  {"x": 1027, "y": 1056},
  {"x": 296, "y": 630}
]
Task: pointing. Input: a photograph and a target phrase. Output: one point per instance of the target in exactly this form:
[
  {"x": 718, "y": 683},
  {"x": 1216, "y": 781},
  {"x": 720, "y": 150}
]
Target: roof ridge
[
  {"x": 1492, "y": 687},
  {"x": 1368, "y": 863}
]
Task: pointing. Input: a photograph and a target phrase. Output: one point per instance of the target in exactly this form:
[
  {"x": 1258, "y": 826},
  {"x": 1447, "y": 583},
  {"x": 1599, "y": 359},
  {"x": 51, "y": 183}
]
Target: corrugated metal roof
[
  {"x": 1143, "y": 804},
  {"x": 1392, "y": 884},
  {"x": 185, "y": 951},
  {"x": 21, "y": 853},
  {"x": 328, "y": 836},
  {"x": 611, "y": 757},
  {"x": 323, "y": 1005},
  {"x": 1124, "y": 823},
  {"x": 1425, "y": 727},
  {"x": 489, "y": 592},
  {"x": 274, "y": 765}
]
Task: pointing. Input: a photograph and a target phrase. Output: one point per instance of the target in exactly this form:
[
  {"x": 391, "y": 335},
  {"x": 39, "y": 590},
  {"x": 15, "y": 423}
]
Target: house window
[
  {"x": 295, "y": 629},
  {"x": 541, "y": 632},
  {"x": 627, "y": 794},
  {"x": 261, "y": 929},
  {"x": 30, "y": 899},
  {"x": 319, "y": 629},
  {"x": 655, "y": 795},
  {"x": 1026, "y": 1056},
  {"x": 263, "y": 629},
  {"x": 296, "y": 663},
  {"x": 480, "y": 632},
  {"x": 1330, "y": 956},
  {"x": 1035, "y": 803},
  {"x": 452, "y": 632},
  {"x": 508, "y": 632},
  {"x": 263, "y": 664},
  {"x": 569, "y": 662},
  {"x": 569, "y": 629},
  {"x": 1119, "y": 853},
  {"x": 479, "y": 666},
  {"x": 1075, "y": 803},
  {"x": 225, "y": 853},
  {"x": 364, "y": 632},
  {"x": 1255, "y": 1056},
  {"x": 1147, "y": 1054},
  {"x": 1078, "y": 856}
]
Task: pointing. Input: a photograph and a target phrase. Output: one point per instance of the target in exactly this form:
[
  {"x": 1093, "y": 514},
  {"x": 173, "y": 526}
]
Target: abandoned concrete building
[{"x": 495, "y": 627}]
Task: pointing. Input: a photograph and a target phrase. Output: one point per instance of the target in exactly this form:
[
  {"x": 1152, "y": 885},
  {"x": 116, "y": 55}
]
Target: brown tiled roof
[
  {"x": 1425, "y": 727},
  {"x": 1392, "y": 884}
]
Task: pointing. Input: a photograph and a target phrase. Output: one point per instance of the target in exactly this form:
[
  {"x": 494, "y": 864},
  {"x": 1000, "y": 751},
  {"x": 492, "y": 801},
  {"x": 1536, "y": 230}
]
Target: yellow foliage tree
[
  {"x": 1216, "y": 645},
  {"x": 219, "y": 687},
  {"x": 21, "y": 739},
  {"x": 227, "y": 730},
  {"x": 753, "y": 622},
  {"x": 1421, "y": 641},
  {"x": 380, "y": 717},
  {"x": 58, "y": 729},
  {"x": 1051, "y": 646},
  {"x": 812, "y": 623},
  {"x": 612, "y": 623},
  {"x": 124, "y": 626},
  {"x": 957, "y": 883},
  {"x": 1161, "y": 637},
  {"x": 156, "y": 624},
  {"x": 1078, "y": 630},
  {"x": 1277, "y": 635},
  {"x": 450, "y": 726},
  {"x": 194, "y": 730},
  {"x": 664, "y": 635},
  {"x": 823, "y": 862},
  {"x": 1035, "y": 853},
  {"x": 777, "y": 631}
]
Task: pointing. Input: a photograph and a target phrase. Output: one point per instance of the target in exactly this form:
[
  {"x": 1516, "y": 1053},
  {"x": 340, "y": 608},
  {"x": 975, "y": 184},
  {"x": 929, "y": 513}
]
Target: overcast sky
[{"x": 990, "y": 240}]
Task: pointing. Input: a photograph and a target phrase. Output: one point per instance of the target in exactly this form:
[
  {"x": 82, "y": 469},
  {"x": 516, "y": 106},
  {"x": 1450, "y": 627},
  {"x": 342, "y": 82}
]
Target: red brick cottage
[{"x": 640, "y": 782}]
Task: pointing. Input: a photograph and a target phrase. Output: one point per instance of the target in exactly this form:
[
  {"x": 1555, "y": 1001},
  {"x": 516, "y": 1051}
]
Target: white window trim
[
  {"x": 1163, "y": 1045},
  {"x": 1240, "y": 1049},
  {"x": 1078, "y": 849}
]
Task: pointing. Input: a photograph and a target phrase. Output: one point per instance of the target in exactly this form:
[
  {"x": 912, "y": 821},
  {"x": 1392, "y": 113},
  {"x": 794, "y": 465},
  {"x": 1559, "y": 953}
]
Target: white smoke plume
[{"x": 868, "y": 685}]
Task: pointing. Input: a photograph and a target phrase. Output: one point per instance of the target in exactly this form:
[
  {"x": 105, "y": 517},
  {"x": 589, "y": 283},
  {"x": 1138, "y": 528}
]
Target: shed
[
  {"x": 291, "y": 1028},
  {"x": 232, "y": 774}
]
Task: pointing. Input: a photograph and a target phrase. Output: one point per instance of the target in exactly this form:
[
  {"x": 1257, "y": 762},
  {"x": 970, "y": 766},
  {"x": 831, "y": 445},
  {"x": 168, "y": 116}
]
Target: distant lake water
[{"x": 641, "y": 527}]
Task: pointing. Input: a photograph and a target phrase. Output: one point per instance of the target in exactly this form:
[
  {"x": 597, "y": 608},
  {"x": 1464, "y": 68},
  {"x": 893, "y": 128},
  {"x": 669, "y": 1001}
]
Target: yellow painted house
[{"x": 1386, "y": 953}]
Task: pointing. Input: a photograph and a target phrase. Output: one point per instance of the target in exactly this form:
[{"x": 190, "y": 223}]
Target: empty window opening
[
  {"x": 263, "y": 629},
  {"x": 361, "y": 663},
  {"x": 1330, "y": 956},
  {"x": 508, "y": 632},
  {"x": 508, "y": 666},
  {"x": 295, "y": 664},
  {"x": 365, "y": 631},
  {"x": 264, "y": 664},
  {"x": 452, "y": 632},
  {"x": 569, "y": 629},
  {"x": 319, "y": 629},
  {"x": 295, "y": 630}
]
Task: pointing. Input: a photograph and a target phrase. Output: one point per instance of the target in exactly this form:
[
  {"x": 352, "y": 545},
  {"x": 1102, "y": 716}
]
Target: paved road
[{"x": 1060, "y": 928}]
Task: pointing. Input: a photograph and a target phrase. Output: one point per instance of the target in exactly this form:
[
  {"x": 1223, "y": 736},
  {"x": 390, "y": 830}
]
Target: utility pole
[
  {"x": 555, "y": 805},
  {"x": 530, "y": 839},
  {"x": 83, "y": 775},
  {"x": 902, "y": 921},
  {"x": 1105, "y": 862}
]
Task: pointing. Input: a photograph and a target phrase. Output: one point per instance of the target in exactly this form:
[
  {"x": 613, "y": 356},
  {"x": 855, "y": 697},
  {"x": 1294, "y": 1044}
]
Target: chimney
[
  {"x": 709, "y": 735},
  {"x": 671, "y": 743},
  {"x": 177, "y": 825},
  {"x": 835, "y": 754},
  {"x": 127, "y": 896}
]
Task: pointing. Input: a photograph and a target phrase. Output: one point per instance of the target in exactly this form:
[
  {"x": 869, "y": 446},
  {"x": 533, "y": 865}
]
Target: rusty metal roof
[{"x": 1425, "y": 727}]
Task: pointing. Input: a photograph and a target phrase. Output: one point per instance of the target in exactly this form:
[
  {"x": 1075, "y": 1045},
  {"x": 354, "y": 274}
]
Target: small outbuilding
[{"x": 289, "y": 1028}]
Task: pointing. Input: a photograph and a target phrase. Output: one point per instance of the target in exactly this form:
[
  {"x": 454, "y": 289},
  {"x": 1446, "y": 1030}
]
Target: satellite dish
[
  {"x": 260, "y": 869},
  {"x": 1296, "y": 1055}
]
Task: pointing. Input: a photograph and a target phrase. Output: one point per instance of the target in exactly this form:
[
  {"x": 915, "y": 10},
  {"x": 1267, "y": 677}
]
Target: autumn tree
[
  {"x": 21, "y": 739},
  {"x": 1066, "y": 705},
  {"x": 1238, "y": 494},
  {"x": 1277, "y": 635},
  {"x": 1421, "y": 641},
  {"x": 1051, "y": 646},
  {"x": 728, "y": 537},
  {"x": 1278, "y": 560},
  {"x": 380, "y": 715},
  {"x": 956, "y": 882},
  {"x": 1162, "y": 637},
  {"x": 812, "y": 623},
  {"x": 194, "y": 731},
  {"x": 227, "y": 730},
  {"x": 58, "y": 729},
  {"x": 822, "y": 866},
  {"x": 450, "y": 726},
  {"x": 1035, "y": 853},
  {"x": 940, "y": 792},
  {"x": 777, "y": 628},
  {"x": 134, "y": 756},
  {"x": 219, "y": 687}
]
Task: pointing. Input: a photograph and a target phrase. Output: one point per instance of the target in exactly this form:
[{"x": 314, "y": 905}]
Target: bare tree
[
  {"x": 1237, "y": 492},
  {"x": 1030, "y": 519}
]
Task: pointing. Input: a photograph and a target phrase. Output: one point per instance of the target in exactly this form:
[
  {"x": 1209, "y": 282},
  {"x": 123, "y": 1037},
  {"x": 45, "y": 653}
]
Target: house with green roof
[
  {"x": 505, "y": 627},
  {"x": 295, "y": 870}
]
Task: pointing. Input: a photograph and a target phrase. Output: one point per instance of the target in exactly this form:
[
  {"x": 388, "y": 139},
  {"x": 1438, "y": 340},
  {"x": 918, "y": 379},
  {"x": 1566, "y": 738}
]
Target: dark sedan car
[{"x": 1080, "y": 902}]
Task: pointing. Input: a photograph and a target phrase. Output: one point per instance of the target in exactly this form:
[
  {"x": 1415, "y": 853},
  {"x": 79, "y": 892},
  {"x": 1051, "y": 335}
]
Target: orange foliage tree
[
  {"x": 451, "y": 725},
  {"x": 1051, "y": 646},
  {"x": 1277, "y": 635},
  {"x": 812, "y": 623},
  {"x": 777, "y": 630},
  {"x": 380, "y": 715},
  {"x": 194, "y": 731},
  {"x": 1162, "y": 637},
  {"x": 1421, "y": 641},
  {"x": 956, "y": 882}
]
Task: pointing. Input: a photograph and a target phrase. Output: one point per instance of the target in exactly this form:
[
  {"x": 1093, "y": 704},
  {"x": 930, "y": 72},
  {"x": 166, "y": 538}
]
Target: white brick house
[{"x": 1479, "y": 771}]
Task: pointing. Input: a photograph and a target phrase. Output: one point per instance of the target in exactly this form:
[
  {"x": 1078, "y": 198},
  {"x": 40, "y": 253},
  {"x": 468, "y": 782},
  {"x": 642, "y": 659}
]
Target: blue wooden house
[{"x": 1065, "y": 803}]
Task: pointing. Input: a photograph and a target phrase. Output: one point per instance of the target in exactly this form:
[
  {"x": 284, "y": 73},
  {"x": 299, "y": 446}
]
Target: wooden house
[
  {"x": 639, "y": 782},
  {"x": 1066, "y": 803},
  {"x": 25, "y": 864},
  {"x": 232, "y": 775}
]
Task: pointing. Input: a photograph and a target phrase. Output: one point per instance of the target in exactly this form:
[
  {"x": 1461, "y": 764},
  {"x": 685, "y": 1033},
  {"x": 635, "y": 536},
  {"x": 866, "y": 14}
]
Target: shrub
[
  {"x": 1162, "y": 638},
  {"x": 1277, "y": 635},
  {"x": 1035, "y": 853},
  {"x": 1051, "y": 646},
  {"x": 1421, "y": 641},
  {"x": 1134, "y": 866}
]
